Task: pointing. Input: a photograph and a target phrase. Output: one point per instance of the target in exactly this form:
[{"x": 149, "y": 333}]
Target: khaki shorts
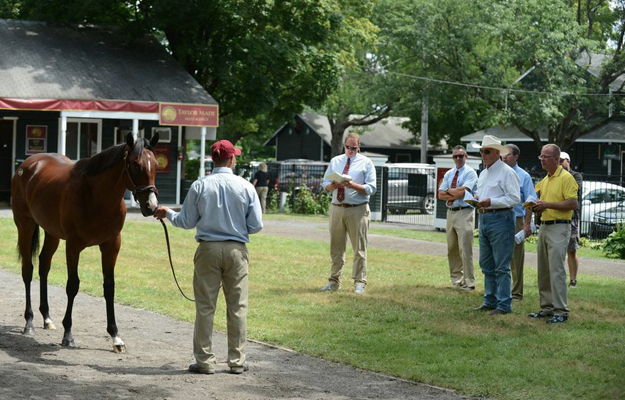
[{"x": 574, "y": 240}]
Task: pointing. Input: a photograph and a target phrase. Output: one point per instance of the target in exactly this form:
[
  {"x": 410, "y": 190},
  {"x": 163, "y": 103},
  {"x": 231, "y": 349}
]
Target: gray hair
[
  {"x": 460, "y": 147},
  {"x": 514, "y": 149}
]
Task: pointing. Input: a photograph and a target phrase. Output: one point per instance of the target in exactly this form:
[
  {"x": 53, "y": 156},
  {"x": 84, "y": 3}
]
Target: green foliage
[
  {"x": 307, "y": 202},
  {"x": 273, "y": 201},
  {"x": 614, "y": 245}
]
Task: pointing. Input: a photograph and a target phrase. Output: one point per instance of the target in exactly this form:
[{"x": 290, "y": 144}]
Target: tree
[
  {"x": 261, "y": 60},
  {"x": 486, "y": 46}
]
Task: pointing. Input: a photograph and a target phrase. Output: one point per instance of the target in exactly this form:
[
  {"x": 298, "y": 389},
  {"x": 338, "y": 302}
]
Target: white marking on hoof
[
  {"x": 118, "y": 345},
  {"x": 48, "y": 324}
]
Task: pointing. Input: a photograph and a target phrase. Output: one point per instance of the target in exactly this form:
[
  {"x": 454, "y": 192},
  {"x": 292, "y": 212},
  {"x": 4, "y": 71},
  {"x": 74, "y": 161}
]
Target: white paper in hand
[
  {"x": 469, "y": 199},
  {"x": 336, "y": 177}
]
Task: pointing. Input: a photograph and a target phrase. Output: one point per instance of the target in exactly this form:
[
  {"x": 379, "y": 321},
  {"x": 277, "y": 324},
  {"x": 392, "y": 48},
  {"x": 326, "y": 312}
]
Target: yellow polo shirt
[{"x": 556, "y": 188}]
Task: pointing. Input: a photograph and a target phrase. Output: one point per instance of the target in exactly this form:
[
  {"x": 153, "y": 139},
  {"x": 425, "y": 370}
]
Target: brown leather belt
[
  {"x": 345, "y": 205},
  {"x": 458, "y": 208},
  {"x": 492, "y": 210}
]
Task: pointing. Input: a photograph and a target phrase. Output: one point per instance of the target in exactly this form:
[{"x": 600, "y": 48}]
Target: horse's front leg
[
  {"x": 109, "y": 251},
  {"x": 72, "y": 253},
  {"x": 50, "y": 245}
]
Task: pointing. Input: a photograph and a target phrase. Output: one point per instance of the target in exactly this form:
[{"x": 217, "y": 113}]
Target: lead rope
[{"x": 171, "y": 264}]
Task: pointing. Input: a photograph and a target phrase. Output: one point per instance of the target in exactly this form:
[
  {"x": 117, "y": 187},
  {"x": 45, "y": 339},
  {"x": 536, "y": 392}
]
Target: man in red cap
[{"x": 225, "y": 210}]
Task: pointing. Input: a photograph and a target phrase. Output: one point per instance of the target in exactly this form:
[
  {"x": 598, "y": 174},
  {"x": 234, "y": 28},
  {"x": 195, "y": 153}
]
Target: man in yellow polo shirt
[{"x": 557, "y": 201}]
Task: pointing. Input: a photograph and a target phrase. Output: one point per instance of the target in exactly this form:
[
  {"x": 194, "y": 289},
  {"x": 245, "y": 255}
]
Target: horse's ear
[
  {"x": 154, "y": 140},
  {"x": 130, "y": 141}
]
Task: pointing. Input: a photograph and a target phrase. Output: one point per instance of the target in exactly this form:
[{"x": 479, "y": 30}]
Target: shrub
[
  {"x": 614, "y": 245},
  {"x": 307, "y": 202}
]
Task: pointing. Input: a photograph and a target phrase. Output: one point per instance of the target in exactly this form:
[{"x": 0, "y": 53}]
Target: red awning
[{"x": 78, "y": 105}]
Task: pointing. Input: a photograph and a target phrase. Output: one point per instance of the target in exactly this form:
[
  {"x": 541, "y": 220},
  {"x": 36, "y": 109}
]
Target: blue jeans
[{"x": 496, "y": 249}]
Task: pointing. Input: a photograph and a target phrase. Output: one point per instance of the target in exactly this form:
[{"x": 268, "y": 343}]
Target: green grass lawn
[{"x": 407, "y": 324}]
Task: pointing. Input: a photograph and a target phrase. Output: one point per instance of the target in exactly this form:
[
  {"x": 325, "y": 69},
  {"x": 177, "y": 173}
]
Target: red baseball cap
[{"x": 223, "y": 150}]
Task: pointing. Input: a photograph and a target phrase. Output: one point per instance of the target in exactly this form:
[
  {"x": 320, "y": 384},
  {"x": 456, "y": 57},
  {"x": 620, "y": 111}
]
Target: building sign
[
  {"x": 36, "y": 139},
  {"x": 611, "y": 152},
  {"x": 188, "y": 114},
  {"x": 163, "y": 159}
]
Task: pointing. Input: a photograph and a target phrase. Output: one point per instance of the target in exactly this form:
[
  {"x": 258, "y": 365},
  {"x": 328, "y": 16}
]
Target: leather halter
[{"x": 136, "y": 189}]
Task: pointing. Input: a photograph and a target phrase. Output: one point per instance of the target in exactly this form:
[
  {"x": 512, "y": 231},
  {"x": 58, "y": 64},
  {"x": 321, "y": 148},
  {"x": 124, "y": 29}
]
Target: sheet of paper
[
  {"x": 469, "y": 199},
  {"x": 336, "y": 177}
]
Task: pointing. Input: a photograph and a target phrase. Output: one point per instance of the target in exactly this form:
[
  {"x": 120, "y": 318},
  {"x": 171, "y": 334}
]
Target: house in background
[
  {"x": 78, "y": 90},
  {"x": 600, "y": 152},
  {"x": 309, "y": 137}
]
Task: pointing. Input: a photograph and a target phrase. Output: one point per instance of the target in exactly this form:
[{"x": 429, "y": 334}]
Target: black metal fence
[
  {"x": 408, "y": 193},
  {"x": 602, "y": 206}
]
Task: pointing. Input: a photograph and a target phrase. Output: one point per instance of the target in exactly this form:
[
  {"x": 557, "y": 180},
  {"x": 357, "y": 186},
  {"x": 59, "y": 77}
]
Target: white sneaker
[
  {"x": 360, "y": 288},
  {"x": 330, "y": 287}
]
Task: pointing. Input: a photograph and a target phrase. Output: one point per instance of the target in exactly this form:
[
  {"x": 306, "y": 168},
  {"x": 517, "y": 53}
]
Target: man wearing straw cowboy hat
[{"x": 497, "y": 192}]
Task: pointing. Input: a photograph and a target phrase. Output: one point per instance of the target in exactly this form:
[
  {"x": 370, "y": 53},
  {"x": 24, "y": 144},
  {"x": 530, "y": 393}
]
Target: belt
[
  {"x": 345, "y": 205},
  {"x": 458, "y": 208},
  {"x": 492, "y": 210},
  {"x": 556, "y": 221}
]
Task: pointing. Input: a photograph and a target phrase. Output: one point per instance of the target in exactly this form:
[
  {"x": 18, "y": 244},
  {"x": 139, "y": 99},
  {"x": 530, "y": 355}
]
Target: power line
[{"x": 508, "y": 90}]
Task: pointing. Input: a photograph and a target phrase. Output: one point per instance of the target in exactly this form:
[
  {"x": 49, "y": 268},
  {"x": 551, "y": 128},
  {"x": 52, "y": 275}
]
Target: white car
[{"x": 597, "y": 197}]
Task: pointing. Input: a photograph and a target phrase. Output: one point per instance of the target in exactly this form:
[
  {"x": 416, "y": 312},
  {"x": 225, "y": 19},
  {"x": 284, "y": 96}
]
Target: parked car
[
  {"x": 295, "y": 174},
  {"x": 598, "y": 197},
  {"x": 606, "y": 222},
  {"x": 411, "y": 189}
]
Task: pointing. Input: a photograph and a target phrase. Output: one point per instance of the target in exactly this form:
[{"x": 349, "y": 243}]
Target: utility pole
[{"x": 424, "y": 130}]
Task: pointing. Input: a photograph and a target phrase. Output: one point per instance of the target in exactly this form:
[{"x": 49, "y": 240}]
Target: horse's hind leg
[
  {"x": 50, "y": 245},
  {"x": 27, "y": 242},
  {"x": 109, "y": 251},
  {"x": 72, "y": 253}
]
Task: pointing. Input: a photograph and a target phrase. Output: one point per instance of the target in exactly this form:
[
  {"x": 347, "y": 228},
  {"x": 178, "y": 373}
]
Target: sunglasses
[
  {"x": 352, "y": 148},
  {"x": 457, "y": 156},
  {"x": 485, "y": 151}
]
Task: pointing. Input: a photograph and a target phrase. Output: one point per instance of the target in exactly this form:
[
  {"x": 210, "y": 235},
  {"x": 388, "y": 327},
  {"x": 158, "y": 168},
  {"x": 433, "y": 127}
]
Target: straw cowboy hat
[{"x": 492, "y": 142}]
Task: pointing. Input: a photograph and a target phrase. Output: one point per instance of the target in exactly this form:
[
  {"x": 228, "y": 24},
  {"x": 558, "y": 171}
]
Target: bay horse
[{"x": 84, "y": 205}]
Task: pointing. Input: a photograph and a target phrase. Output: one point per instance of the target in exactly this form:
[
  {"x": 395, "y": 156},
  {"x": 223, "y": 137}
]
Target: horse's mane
[{"x": 108, "y": 158}]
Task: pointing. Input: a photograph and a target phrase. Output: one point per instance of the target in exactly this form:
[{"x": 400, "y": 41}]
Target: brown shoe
[
  {"x": 483, "y": 308},
  {"x": 196, "y": 369},
  {"x": 497, "y": 311}
]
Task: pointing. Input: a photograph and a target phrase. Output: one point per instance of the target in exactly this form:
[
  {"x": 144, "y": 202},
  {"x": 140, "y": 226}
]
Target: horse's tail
[{"x": 34, "y": 245}]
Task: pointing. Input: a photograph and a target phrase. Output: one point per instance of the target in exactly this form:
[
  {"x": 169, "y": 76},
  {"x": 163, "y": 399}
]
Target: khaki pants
[
  {"x": 460, "y": 226},
  {"x": 352, "y": 221},
  {"x": 551, "y": 253},
  {"x": 217, "y": 262},
  {"x": 262, "y": 195},
  {"x": 518, "y": 260}
]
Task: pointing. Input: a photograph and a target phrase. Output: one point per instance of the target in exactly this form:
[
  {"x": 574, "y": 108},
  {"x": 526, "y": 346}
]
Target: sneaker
[
  {"x": 196, "y": 369},
  {"x": 467, "y": 288},
  {"x": 330, "y": 287},
  {"x": 558, "y": 319},
  {"x": 539, "y": 314},
  {"x": 573, "y": 284},
  {"x": 454, "y": 286},
  {"x": 240, "y": 370},
  {"x": 360, "y": 288}
]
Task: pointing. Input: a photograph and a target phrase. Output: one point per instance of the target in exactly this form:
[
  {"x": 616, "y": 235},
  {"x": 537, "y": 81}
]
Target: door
[{"x": 6, "y": 160}]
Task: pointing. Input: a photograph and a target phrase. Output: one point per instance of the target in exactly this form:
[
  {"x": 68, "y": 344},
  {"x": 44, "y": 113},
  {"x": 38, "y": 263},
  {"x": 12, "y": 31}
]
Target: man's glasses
[
  {"x": 457, "y": 156},
  {"x": 485, "y": 151},
  {"x": 541, "y": 157},
  {"x": 352, "y": 148}
]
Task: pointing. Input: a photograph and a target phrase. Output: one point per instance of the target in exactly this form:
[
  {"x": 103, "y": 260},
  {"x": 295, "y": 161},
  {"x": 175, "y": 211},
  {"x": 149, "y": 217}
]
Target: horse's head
[{"x": 141, "y": 172}]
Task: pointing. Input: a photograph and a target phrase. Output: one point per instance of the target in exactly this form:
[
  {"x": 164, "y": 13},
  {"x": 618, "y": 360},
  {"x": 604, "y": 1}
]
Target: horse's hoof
[
  {"x": 29, "y": 331},
  {"x": 68, "y": 343},
  {"x": 49, "y": 325},
  {"x": 119, "y": 348}
]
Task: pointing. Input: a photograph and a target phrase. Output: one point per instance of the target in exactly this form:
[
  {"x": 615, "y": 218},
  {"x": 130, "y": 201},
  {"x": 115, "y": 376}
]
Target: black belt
[
  {"x": 345, "y": 205},
  {"x": 556, "y": 221},
  {"x": 492, "y": 210},
  {"x": 458, "y": 208}
]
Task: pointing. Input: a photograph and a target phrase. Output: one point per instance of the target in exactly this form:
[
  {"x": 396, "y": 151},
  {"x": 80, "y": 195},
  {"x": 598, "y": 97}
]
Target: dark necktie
[
  {"x": 454, "y": 183},
  {"x": 340, "y": 195}
]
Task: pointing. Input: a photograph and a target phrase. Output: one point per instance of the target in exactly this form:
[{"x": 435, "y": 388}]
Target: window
[
  {"x": 120, "y": 135},
  {"x": 83, "y": 138},
  {"x": 164, "y": 134}
]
